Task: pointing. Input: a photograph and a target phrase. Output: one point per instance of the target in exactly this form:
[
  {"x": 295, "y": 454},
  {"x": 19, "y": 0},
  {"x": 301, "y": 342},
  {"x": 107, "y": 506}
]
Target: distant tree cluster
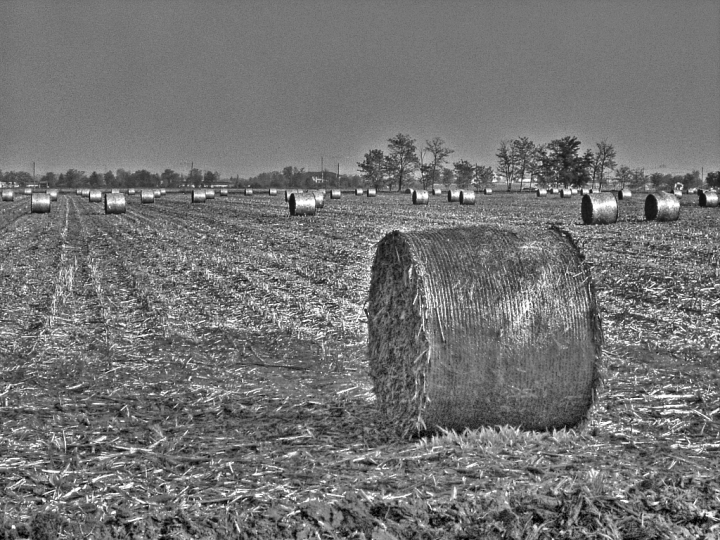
[
  {"x": 293, "y": 177},
  {"x": 72, "y": 178}
]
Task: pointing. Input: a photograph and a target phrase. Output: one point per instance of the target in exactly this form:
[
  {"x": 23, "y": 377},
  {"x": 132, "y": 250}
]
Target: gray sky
[{"x": 243, "y": 87}]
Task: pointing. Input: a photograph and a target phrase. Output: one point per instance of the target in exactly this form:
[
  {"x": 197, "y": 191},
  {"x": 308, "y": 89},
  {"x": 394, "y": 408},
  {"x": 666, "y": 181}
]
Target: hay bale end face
[
  {"x": 372, "y": 192},
  {"x": 624, "y": 194},
  {"x": 198, "y": 196},
  {"x": 302, "y": 204},
  {"x": 420, "y": 196},
  {"x": 8, "y": 195},
  {"x": 115, "y": 203},
  {"x": 709, "y": 199},
  {"x": 467, "y": 196},
  {"x": 95, "y": 195},
  {"x": 319, "y": 198},
  {"x": 599, "y": 209},
  {"x": 147, "y": 196},
  {"x": 540, "y": 192},
  {"x": 662, "y": 206},
  {"x": 39, "y": 203},
  {"x": 335, "y": 194},
  {"x": 454, "y": 195},
  {"x": 517, "y": 343}
]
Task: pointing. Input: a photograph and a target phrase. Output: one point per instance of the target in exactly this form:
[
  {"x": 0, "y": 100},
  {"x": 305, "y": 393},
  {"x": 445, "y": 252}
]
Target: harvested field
[{"x": 162, "y": 376}]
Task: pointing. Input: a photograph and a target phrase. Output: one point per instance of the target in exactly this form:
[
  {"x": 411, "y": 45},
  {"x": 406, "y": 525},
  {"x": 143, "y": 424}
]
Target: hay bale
[
  {"x": 708, "y": 199},
  {"x": 573, "y": 191},
  {"x": 467, "y": 196},
  {"x": 209, "y": 194},
  {"x": 482, "y": 326},
  {"x": 114, "y": 190},
  {"x": 131, "y": 191},
  {"x": 677, "y": 193},
  {"x": 662, "y": 206},
  {"x": 95, "y": 195},
  {"x": 335, "y": 194},
  {"x": 39, "y": 203},
  {"x": 319, "y": 198},
  {"x": 157, "y": 193},
  {"x": 692, "y": 191},
  {"x": 198, "y": 196},
  {"x": 453, "y": 195},
  {"x": 540, "y": 192},
  {"x": 565, "y": 193},
  {"x": 554, "y": 191},
  {"x": 147, "y": 196},
  {"x": 8, "y": 195},
  {"x": 86, "y": 192},
  {"x": 248, "y": 192},
  {"x": 115, "y": 203},
  {"x": 359, "y": 191},
  {"x": 53, "y": 194},
  {"x": 163, "y": 191},
  {"x": 487, "y": 191},
  {"x": 27, "y": 191},
  {"x": 372, "y": 192},
  {"x": 289, "y": 192},
  {"x": 408, "y": 191},
  {"x": 420, "y": 196},
  {"x": 624, "y": 194},
  {"x": 272, "y": 192},
  {"x": 302, "y": 204},
  {"x": 437, "y": 191},
  {"x": 584, "y": 191},
  {"x": 599, "y": 209},
  {"x": 223, "y": 192}
]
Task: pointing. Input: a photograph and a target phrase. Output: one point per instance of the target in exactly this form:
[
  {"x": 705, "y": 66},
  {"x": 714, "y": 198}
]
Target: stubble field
[{"x": 199, "y": 371}]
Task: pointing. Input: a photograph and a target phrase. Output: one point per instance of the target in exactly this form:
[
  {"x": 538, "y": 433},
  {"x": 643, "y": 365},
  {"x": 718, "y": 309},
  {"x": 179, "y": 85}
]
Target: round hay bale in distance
[
  {"x": 420, "y": 196},
  {"x": 335, "y": 194},
  {"x": 131, "y": 191},
  {"x": 662, "y": 206},
  {"x": 163, "y": 191},
  {"x": 115, "y": 203},
  {"x": 319, "y": 198},
  {"x": 223, "y": 192},
  {"x": 39, "y": 203},
  {"x": 359, "y": 191},
  {"x": 95, "y": 195},
  {"x": 624, "y": 194},
  {"x": 147, "y": 196},
  {"x": 487, "y": 191},
  {"x": 584, "y": 191},
  {"x": 437, "y": 191},
  {"x": 114, "y": 190},
  {"x": 565, "y": 193},
  {"x": 599, "y": 209},
  {"x": 302, "y": 204},
  {"x": 248, "y": 192},
  {"x": 518, "y": 343},
  {"x": 198, "y": 196},
  {"x": 289, "y": 192},
  {"x": 8, "y": 195},
  {"x": 467, "y": 196},
  {"x": 372, "y": 192},
  {"x": 272, "y": 192},
  {"x": 408, "y": 191},
  {"x": 453, "y": 195},
  {"x": 541, "y": 192},
  {"x": 708, "y": 199},
  {"x": 209, "y": 194},
  {"x": 573, "y": 191},
  {"x": 27, "y": 191},
  {"x": 157, "y": 193},
  {"x": 53, "y": 194},
  {"x": 554, "y": 191}
]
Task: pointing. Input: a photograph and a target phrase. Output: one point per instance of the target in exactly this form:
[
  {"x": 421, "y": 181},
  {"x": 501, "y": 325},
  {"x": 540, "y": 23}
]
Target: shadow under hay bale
[
  {"x": 420, "y": 196},
  {"x": 482, "y": 326},
  {"x": 8, "y": 195},
  {"x": 147, "y": 196},
  {"x": 599, "y": 209},
  {"x": 198, "y": 196},
  {"x": 454, "y": 195},
  {"x": 467, "y": 197},
  {"x": 624, "y": 194},
  {"x": 708, "y": 199},
  {"x": 95, "y": 195},
  {"x": 302, "y": 204},
  {"x": 662, "y": 206},
  {"x": 39, "y": 203},
  {"x": 115, "y": 203},
  {"x": 335, "y": 194},
  {"x": 372, "y": 192}
]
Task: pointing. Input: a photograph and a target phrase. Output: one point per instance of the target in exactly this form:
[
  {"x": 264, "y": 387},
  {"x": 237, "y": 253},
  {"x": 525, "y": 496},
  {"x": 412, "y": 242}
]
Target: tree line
[{"x": 74, "y": 178}]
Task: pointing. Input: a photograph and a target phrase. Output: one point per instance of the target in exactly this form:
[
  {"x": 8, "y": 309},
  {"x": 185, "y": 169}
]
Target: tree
[
  {"x": 195, "y": 177},
  {"x": 571, "y": 168},
  {"x": 50, "y": 179},
  {"x": 713, "y": 179},
  {"x": 464, "y": 173},
  {"x": 109, "y": 179},
  {"x": 401, "y": 160},
  {"x": 524, "y": 150},
  {"x": 661, "y": 182},
  {"x": 169, "y": 178},
  {"x": 210, "y": 178},
  {"x": 604, "y": 159},
  {"x": 507, "y": 162},
  {"x": 73, "y": 178},
  {"x": 483, "y": 174},
  {"x": 623, "y": 175},
  {"x": 637, "y": 178},
  {"x": 95, "y": 180},
  {"x": 439, "y": 154},
  {"x": 373, "y": 168}
]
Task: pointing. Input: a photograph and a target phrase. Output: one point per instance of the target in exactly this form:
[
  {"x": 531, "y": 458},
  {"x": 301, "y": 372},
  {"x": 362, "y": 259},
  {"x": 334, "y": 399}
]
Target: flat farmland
[{"x": 199, "y": 371}]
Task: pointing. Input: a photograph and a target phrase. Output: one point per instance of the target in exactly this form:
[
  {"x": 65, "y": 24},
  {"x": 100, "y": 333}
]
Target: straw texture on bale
[
  {"x": 147, "y": 196},
  {"x": 599, "y": 209},
  {"x": 372, "y": 192},
  {"x": 453, "y": 195},
  {"x": 437, "y": 191},
  {"x": 272, "y": 192},
  {"x": 27, "y": 191},
  {"x": 302, "y": 204},
  {"x": 487, "y": 191},
  {"x": 359, "y": 191},
  {"x": 709, "y": 199},
  {"x": 662, "y": 206},
  {"x": 540, "y": 192},
  {"x": 319, "y": 198},
  {"x": 209, "y": 193},
  {"x": 624, "y": 194},
  {"x": 467, "y": 196},
  {"x": 115, "y": 203},
  {"x": 482, "y": 326},
  {"x": 223, "y": 192},
  {"x": 95, "y": 195},
  {"x": 565, "y": 193},
  {"x": 39, "y": 203},
  {"x": 248, "y": 192},
  {"x": 198, "y": 196},
  {"x": 8, "y": 195},
  {"x": 335, "y": 194},
  {"x": 677, "y": 193},
  {"x": 420, "y": 196},
  {"x": 53, "y": 194}
]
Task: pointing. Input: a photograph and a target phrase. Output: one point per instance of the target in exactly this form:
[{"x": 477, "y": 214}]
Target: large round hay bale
[
  {"x": 39, "y": 203},
  {"x": 335, "y": 194},
  {"x": 198, "y": 196},
  {"x": 223, "y": 192},
  {"x": 487, "y": 191},
  {"x": 565, "y": 193},
  {"x": 147, "y": 196},
  {"x": 599, "y": 209},
  {"x": 248, "y": 192},
  {"x": 272, "y": 192},
  {"x": 456, "y": 344},
  {"x": 319, "y": 198},
  {"x": 624, "y": 194},
  {"x": 302, "y": 204},
  {"x": 359, "y": 191},
  {"x": 209, "y": 194},
  {"x": 420, "y": 196},
  {"x": 437, "y": 191},
  {"x": 27, "y": 191},
  {"x": 541, "y": 192},
  {"x": 372, "y": 192},
  {"x": 662, "y": 206},
  {"x": 8, "y": 195},
  {"x": 53, "y": 194},
  {"x": 453, "y": 195},
  {"x": 289, "y": 192},
  {"x": 95, "y": 195},
  {"x": 467, "y": 196},
  {"x": 115, "y": 203},
  {"x": 708, "y": 199}
]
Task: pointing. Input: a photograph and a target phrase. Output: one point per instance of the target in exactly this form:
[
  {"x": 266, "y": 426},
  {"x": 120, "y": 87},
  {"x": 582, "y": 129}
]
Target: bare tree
[
  {"x": 524, "y": 150},
  {"x": 439, "y": 153},
  {"x": 507, "y": 161},
  {"x": 401, "y": 159},
  {"x": 604, "y": 159}
]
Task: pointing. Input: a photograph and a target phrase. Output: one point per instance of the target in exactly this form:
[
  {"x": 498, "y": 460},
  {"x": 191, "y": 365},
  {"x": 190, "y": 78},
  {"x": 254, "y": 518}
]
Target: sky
[{"x": 241, "y": 87}]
